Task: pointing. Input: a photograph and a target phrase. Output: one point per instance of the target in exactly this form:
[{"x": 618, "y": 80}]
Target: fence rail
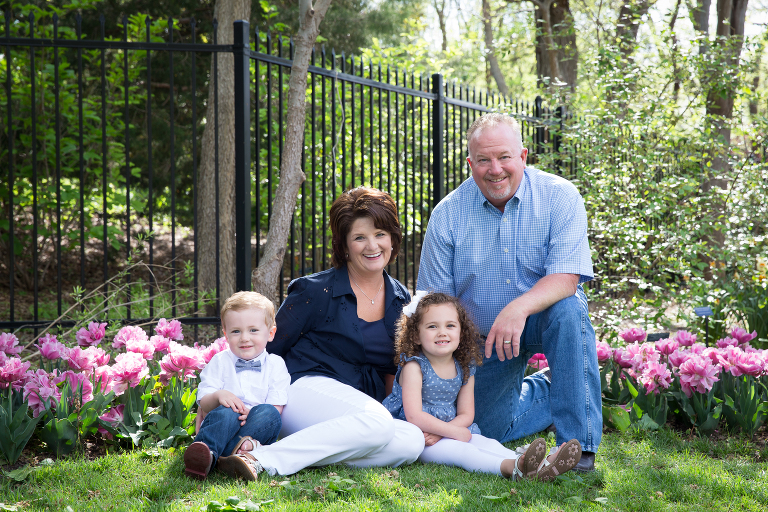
[{"x": 101, "y": 139}]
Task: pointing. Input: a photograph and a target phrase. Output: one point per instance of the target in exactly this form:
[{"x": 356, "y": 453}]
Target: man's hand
[
  {"x": 510, "y": 322},
  {"x": 430, "y": 439},
  {"x": 508, "y": 326}
]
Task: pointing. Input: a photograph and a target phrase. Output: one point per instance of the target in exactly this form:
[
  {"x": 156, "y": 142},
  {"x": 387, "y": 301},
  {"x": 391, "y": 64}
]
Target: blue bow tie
[{"x": 241, "y": 365}]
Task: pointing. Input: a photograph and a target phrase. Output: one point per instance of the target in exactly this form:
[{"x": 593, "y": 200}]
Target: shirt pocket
[{"x": 531, "y": 259}]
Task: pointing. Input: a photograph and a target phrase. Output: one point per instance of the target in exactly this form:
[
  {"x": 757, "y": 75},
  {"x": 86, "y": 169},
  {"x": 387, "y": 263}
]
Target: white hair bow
[{"x": 410, "y": 308}]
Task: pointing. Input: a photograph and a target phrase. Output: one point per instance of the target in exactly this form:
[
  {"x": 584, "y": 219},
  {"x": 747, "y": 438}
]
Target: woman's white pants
[
  {"x": 480, "y": 454},
  {"x": 327, "y": 422}
]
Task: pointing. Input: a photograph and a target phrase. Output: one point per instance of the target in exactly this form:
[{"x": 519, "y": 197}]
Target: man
[{"x": 511, "y": 244}]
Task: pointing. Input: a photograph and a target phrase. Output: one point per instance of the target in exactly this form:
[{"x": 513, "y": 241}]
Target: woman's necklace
[{"x": 366, "y": 295}]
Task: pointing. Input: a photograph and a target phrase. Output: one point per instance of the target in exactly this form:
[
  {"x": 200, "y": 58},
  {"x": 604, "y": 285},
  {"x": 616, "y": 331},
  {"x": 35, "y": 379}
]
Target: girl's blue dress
[{"x": 438, "y": 396}]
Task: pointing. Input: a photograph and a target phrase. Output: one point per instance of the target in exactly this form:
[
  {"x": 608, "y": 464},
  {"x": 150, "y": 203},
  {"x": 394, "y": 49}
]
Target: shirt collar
[
  {"x": 261, "y": 357},
  {"x": 519, "y": 193}
]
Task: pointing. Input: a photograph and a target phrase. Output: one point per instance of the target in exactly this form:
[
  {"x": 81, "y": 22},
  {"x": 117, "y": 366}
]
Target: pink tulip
[
  {"x": 646, "y": 353},
  {"x": 75, "y": 380},
  {"x": 128, "y": 370},
  {"x": 9, "y": 344},
  {"x": 538, "y": 362},
  {"x": 214, "y": 348},
  {"x": 50, "y": 348},
  {"x": 655, "y": 377},
  {"x": 697, "y": 348},
  {"x": 99, "y": 356},
  {"x": 183, "y": 362},
  {"x": 748, "y": 363},
  {"x": 718, "y": 356},
  {"x": 91, "y": 336},
  {"x": 161, "y": 343},
  {"x": 113, "y": 416},
  {"x": 742, "y": 336},
  {"x": 12, "y": 373},
  {"x": 633, "y": 335},
  {"x": 81, "y": 360},
  {"x": 129, "y": 332},
  {"x": 667, "y": 346},
  {"x": 685, "y": 339},
  {"x": 698, "y": 374},
  {"x": 103, "y": 378},
  {"x": 726, "y": 342},
  {"x": 41, "y": 392},
  {"x": 604, "y": 352},
  {"x": 170, "y": 329},
  {"x": 678, "y": 357},
  {"x": 624, "y": 356},
  {"x": 144, "y": 347}
]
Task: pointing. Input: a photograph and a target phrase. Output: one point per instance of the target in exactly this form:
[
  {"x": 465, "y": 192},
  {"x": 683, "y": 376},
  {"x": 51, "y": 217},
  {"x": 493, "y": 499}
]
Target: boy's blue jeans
[
  {"x": 221, "y": 428},
  {"x": 508, "y": 407}
]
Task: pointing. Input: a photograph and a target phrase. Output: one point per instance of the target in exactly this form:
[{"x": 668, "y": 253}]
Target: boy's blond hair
[{"x": 244, "y": 300}]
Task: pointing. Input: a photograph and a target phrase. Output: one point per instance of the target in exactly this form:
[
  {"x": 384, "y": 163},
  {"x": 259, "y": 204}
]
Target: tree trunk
[
  {"x": 628, "y": 24},
  {"x": 226, "y": 12},
  {"x": 265, "y": 278},
  {"x": 440, "y": 9},
  {"x": 700, "y": 18},
  {"x": 490, "y": 49},
  {"x": 563, "y": 36},
  {"x": 730, "y": 38}
]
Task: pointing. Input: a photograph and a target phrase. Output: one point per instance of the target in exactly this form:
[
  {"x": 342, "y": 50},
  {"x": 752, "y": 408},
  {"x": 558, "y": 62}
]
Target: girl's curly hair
[{"x": 407, "y": 333}]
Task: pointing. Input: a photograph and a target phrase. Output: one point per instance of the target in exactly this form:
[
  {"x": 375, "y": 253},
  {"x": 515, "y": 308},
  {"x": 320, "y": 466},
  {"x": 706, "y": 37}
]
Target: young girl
[{"x": 434, "y": 390}]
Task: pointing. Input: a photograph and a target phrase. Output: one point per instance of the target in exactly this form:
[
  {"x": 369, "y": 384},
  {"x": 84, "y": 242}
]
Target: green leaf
[
  {"x": 496, "y": 498},
  {"x": 646, "y": 423},
  {"x": 616, "y": 417},
  {"x": 232, "y": 500},
  {"x": 20, "y": 474}
]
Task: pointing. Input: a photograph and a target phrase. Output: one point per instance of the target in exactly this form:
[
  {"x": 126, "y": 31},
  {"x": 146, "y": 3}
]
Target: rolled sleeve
[
  {"x": 280, "y": 379},
  {"x": 568, "y": 248}
]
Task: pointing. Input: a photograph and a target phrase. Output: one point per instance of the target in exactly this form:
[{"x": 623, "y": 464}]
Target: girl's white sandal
[
  {"x": 534, "y": 453},
  {"x": 566, "y": 457}
]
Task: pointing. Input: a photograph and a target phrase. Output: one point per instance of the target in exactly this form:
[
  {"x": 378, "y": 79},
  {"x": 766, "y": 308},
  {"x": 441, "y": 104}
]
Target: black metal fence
[{"x": 101, "y": 142}]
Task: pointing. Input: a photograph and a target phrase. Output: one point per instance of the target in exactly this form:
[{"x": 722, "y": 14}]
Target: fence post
[
  {"x": 537, "y": 113},
  {"x": 557, "y": 138},
  {"x": 241, "y": 51},
  {"x": 438, "y": 128}
]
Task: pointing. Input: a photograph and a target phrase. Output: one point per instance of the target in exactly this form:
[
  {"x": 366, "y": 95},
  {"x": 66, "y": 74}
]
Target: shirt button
[
  {"x": 506, "y": 250},
  {"x": 504, "y": 220},
  {"x": 507, "y": 281}
]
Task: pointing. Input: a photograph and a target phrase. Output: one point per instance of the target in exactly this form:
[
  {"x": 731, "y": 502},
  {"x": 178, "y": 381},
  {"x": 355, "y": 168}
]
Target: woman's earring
[{"x": 346, "y": 255}]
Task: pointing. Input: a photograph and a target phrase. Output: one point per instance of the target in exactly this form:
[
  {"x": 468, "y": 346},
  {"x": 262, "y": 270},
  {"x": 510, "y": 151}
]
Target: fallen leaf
[{"x": 513, "y": 491}]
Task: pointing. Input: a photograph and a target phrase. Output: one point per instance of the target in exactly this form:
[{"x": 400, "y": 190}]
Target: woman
[{"x": 335, "y": 331}]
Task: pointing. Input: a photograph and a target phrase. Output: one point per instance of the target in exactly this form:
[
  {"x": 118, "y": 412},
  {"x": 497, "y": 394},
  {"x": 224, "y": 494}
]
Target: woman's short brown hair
[{"x": 358, "y": 203}]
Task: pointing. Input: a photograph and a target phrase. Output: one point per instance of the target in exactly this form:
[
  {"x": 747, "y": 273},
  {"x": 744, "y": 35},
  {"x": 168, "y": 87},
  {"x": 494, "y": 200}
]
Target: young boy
[{"x": 242, "y": 392}]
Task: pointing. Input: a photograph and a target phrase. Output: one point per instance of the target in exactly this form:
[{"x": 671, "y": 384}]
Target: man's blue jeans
[
  {"x": 221, "y": 428},
  {"x": 508, "y": 407}
]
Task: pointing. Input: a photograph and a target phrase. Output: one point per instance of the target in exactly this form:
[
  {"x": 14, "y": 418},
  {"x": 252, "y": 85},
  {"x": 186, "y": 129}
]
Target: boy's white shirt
[{"x": 269, "y": 386}]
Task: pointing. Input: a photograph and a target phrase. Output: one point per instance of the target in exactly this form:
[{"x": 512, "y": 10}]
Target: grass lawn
[{"x": 663, "y": 470}]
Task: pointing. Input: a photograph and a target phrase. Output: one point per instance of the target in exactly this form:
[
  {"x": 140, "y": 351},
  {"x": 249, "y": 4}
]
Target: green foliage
[
  {"x": 16, "y": 426},
  {"x": 175, "y": 421},
  {"x": 91, "y": 158},
  {"x": 67, "y": 423}
]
